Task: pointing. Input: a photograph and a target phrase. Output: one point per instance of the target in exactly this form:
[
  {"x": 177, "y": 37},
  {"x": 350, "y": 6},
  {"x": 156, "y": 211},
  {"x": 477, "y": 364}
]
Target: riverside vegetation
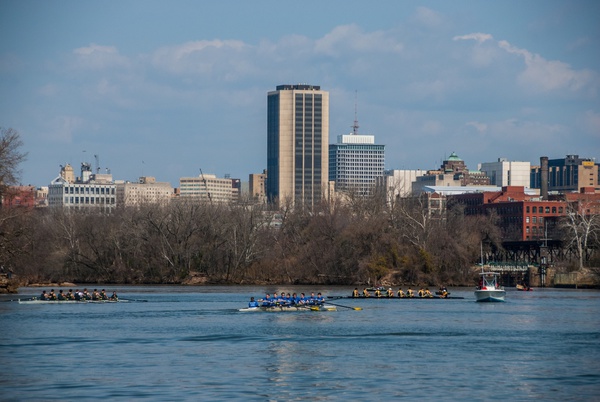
[{"x": 359, "y": 241}]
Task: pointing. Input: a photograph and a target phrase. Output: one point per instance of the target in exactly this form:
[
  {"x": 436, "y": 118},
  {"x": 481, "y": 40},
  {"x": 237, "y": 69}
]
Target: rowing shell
[
  {"x": 279, "y": 309},
  {"x": 69, "y": 301},
  {"x": 395, "y": 298}
]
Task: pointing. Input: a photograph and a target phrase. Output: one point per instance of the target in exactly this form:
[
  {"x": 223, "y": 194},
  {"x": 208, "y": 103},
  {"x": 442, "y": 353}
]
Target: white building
[
  {"x": 146, "y": 191},
  {"x": 208, "y": 187},
  {"x": 398, "y": 183},
  {"x": 506, "y": 173},
  {"x": 355, "y": 162},
  {"x": 88, "y": 191}
]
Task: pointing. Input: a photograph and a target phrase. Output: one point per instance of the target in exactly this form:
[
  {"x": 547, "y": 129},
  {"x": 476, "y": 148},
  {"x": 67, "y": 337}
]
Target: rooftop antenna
[{"x": 355, "y": 125}]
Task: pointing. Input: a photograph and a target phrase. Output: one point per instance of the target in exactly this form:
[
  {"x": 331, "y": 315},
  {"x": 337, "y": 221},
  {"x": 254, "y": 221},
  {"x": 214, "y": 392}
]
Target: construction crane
[
  {"x": 205, "y": 186},
  {"x": 97, "y": 164}
]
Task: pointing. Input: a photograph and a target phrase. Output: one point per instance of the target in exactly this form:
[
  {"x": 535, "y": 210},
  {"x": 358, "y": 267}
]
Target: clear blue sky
[{"x": 165, "y": 88}]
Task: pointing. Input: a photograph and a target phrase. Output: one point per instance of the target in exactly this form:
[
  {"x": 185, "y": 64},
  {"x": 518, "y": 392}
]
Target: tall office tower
[
  {"x": 355, "y": 162},
  {"x": 297, "y": 140}
]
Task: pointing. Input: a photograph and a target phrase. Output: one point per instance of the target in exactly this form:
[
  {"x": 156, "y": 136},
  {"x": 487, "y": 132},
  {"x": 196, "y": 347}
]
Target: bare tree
[
  {"x": 581, "y": 227},
  {"x": 10, "y": 157}
]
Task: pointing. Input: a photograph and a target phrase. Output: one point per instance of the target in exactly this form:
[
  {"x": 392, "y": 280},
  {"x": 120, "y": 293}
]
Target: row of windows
[
  {"x": 534, "y": 229},
  {"x": 99, "y": 190},
  {"x": 544, "y": 209},
  {"x": 89, "y": 200}
]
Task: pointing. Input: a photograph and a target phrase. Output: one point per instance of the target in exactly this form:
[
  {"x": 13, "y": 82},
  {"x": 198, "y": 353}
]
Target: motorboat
[{"x": 488, "y": 289}]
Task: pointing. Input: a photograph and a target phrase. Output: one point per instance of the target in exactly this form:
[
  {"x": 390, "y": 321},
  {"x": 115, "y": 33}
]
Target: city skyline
[{"x": 166, "y": 89}]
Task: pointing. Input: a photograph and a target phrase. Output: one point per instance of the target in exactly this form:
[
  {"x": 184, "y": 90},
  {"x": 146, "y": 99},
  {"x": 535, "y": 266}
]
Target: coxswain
[
  {"x": 61, "y": 295},
  {"x": 355, "y": 293},
  {"x": 43, "y": 296},
  {"x": 401, "y": 293},
  {"x": 114, "y": 297},
  {"x": 390, "y": 293},
  {"x": 410, "y": 293},
  {"x": 253, "y": 303}
]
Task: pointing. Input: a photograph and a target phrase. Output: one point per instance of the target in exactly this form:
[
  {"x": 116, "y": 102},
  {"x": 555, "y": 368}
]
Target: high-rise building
[
  {"x": 297, "y": 141},
  {"x": 355, "y": 162}
]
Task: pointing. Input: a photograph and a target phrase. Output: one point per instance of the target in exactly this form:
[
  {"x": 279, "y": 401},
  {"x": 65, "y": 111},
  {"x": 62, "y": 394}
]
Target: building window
[
  {"x": 526, "y": 219},
  {"x": 553, "y": 210},
  {"x": 534, "y": 210},
  {"x": 534, "y": 219}
]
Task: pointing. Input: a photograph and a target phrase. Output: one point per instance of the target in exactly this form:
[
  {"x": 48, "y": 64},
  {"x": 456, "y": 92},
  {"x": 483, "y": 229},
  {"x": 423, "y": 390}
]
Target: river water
[{"x": 191, "y": 343}]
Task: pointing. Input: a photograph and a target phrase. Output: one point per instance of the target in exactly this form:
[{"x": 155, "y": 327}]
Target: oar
[{"x": 340, "y": 305}]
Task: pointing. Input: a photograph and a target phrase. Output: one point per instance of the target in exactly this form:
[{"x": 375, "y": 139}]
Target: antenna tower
[{"x": 355, "y": 125}]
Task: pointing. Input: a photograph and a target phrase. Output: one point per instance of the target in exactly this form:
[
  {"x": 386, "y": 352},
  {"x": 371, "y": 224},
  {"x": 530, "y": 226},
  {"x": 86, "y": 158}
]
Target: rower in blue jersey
[
  {"x": 302, "y": 299},
  {"x": 252, "y": 302},
  {"x": 295, "y": 298},
  {"x": 289, "y": 300},
  {"x": 320, "y": 299},
  {"x": 267, "y": 301}
]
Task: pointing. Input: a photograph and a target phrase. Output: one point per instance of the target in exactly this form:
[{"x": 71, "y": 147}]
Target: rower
[
  {"x": 366, "y": 293},
  {"x": 410, "y": 293},
  {"x": 61, "y": 295},
  {"x": 103, "y": 295},
  {"x": 114, "y": 297},
  {"x": 401, "y": 293},
  {"x": 95, "y": 295},
  {"x": 421, "y": 292},
  {"x": 43, "y": 296},
  {"x": 70, "y": 295},
  {"x": 390, "y": 293},
  {"x": 320, "y": 298},
  {"x": 355, "y": 293},
  {"x": 252, "y": 303},
  {"x": 52, "y": 295},
  {"x": 267, "y": 301},
  {"x": 428, "y": 293},
  {"x": 377, "y": 292}
]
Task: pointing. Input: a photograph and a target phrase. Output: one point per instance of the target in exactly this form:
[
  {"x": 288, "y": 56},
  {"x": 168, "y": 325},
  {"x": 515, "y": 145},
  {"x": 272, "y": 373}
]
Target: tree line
[{"x": 333, "y": 243}]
